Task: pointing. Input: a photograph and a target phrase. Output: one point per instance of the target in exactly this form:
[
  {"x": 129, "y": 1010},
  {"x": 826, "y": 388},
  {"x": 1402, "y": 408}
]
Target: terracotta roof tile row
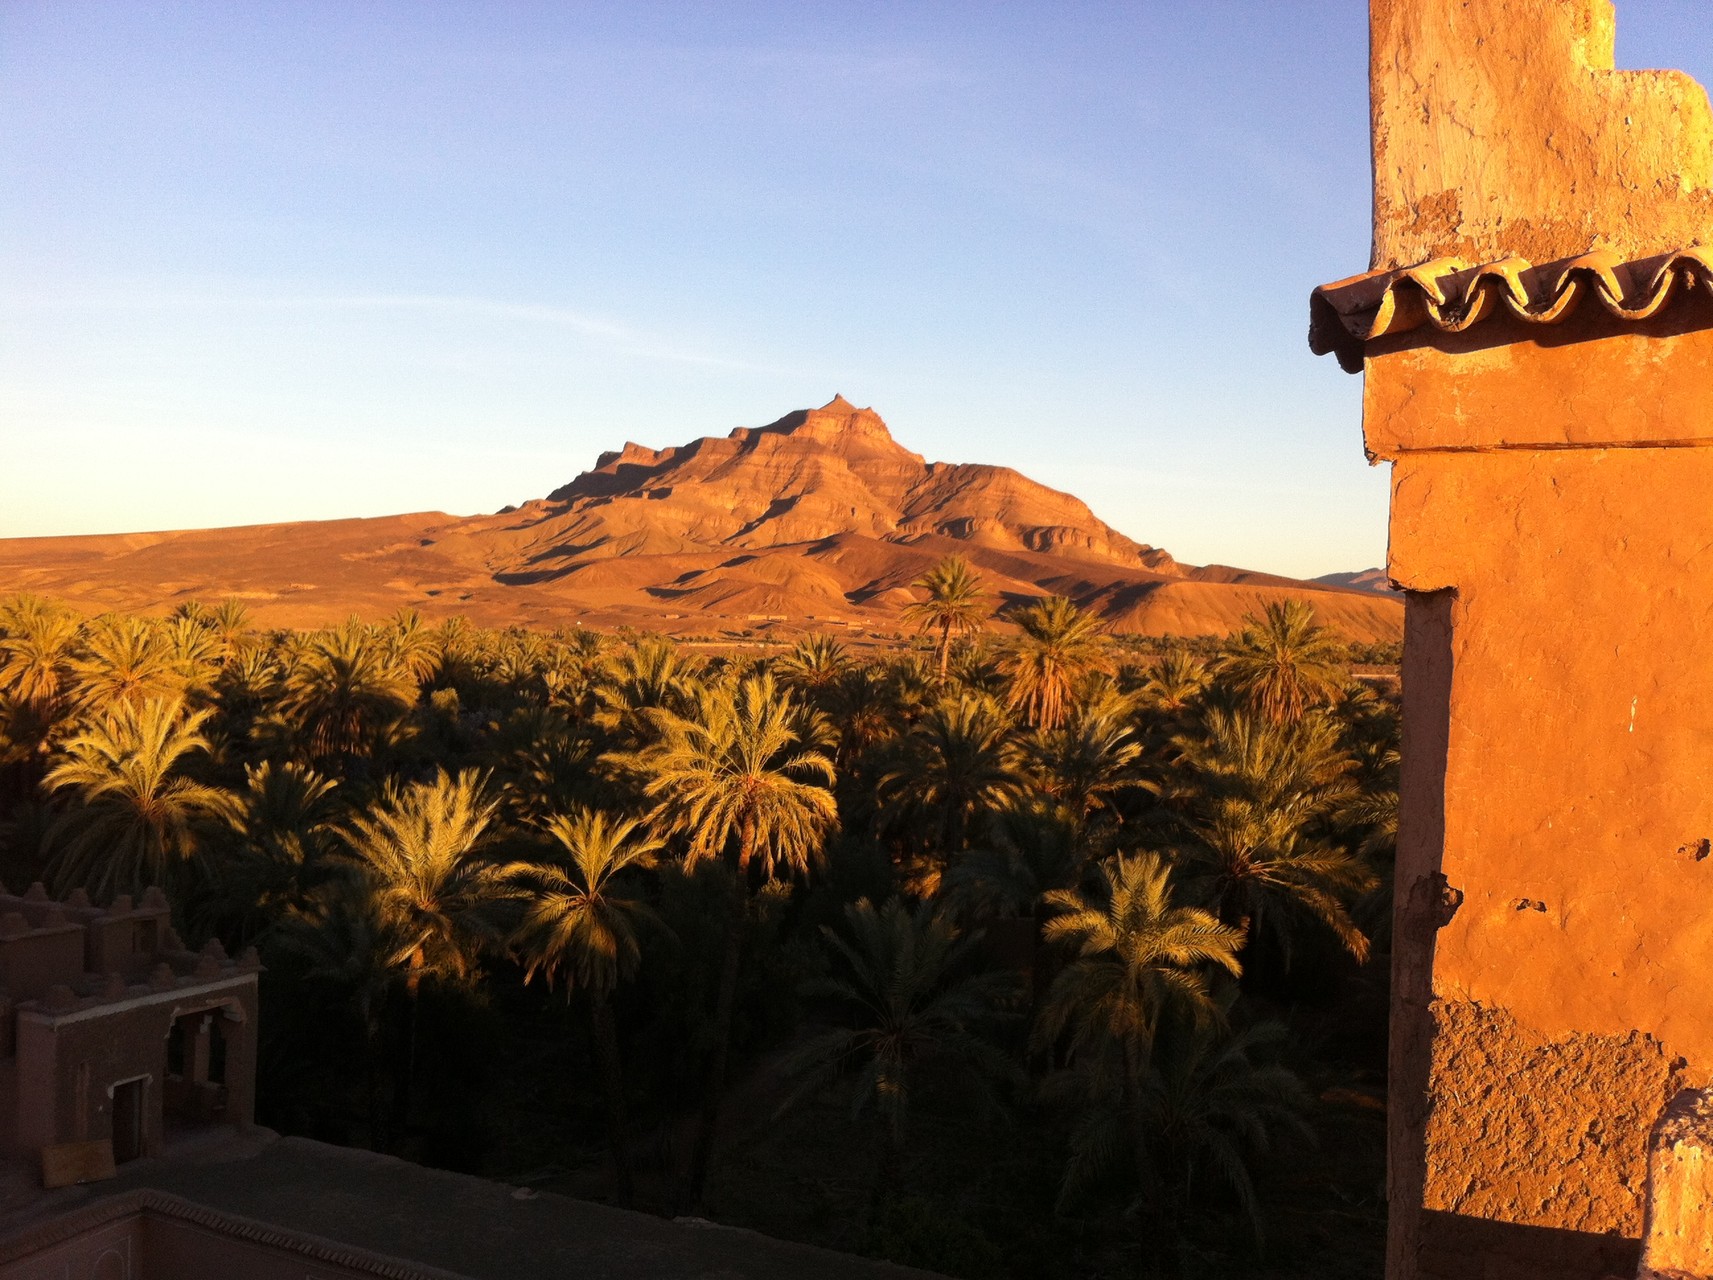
[{"x": 1452, "y": 295}]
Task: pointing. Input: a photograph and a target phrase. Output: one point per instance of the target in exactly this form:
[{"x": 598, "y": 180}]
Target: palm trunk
[
  {"x": 885, "y": 1172},
  {"x": 725, "y": 1005},
  {"x": 404, "y": 1079},
  {"x": 612, "y": 1084},
  {"x": 375, "y": 1052},
  {"x": 1131, "y": 1104},
  {"x": 1041, "y": 960}
]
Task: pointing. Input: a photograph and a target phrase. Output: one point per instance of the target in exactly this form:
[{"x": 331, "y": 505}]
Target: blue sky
[{"x": 287, "y": 261}]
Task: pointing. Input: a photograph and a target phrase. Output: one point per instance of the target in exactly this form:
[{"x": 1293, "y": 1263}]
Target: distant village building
[{"x": 112, "y": 1032}]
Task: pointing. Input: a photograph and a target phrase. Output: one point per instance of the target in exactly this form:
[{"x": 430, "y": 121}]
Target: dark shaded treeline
[{"x": 1041, "y": 956}]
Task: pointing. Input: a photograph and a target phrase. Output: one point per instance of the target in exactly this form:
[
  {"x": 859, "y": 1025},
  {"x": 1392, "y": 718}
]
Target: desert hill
[
  {"x": 1375, "y": 580},
  {"x": 818, "y": 520}
]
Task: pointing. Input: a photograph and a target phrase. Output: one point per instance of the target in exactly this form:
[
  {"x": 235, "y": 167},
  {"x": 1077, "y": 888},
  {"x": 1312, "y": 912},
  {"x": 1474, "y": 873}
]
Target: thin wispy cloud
[{"x": 616, "y": 336}]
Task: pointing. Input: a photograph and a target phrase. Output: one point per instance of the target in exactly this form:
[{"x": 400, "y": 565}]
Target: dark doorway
[
  {"x": 194, "y": 1092},
  {"x": 127, "y": 1121}
]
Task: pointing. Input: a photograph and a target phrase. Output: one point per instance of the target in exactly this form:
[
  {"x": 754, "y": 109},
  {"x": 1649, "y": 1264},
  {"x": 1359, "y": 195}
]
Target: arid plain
[{"x": 818, "y": 521}]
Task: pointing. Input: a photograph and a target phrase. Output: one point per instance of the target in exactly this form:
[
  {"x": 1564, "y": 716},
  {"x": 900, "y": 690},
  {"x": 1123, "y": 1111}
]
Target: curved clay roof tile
[{"x": 1452, "y": 296}]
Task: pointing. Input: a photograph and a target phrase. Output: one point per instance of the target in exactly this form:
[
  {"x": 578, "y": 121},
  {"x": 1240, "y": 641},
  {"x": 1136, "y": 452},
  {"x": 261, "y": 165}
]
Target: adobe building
[
  {"x": 112, "y": 1034},
  {"x": 1536, "y": 339}
]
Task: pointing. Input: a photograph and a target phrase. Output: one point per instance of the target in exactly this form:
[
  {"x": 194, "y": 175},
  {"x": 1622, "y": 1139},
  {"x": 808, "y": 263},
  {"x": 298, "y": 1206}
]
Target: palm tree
[
  {"x": 339, "y": 939},
  {"x": 730, "y": 774},
  {"x": 1259, "y": 868},
  {"x": 1284, "y": 663},
  {"x": 574, "y": 670},
  {"x": 125, "y": 659},
  {"x": 546, "y": 765},
  {"x": 1028, "y": 851},
  {"x": 411, "y": 646},
  {"x": 732, "y": 778},
  {"x": 1175, "y": 681},
  {"x": 1088, "y": 761},
  {"x": 1060, "y": 646},
  {"x": 580, "y": 923},
  {"x": 1261, "y": 798},
  {"x": 194, "y": 651},
  {"x": 956, "y": 606},
  {"x": 421, "y": 851},
  {"x": 814, "y": 665},
  {"x": 434, "y": 894},
  {"x": 135, "y": 818},
  {"x": 650, "y": 675},
  {"x": 1140, "y": 958},
  {"x": 1210, "y": 1100},
  {"x": 285, "y": 821},
  {"x": 345, "y": 692},
  {"x": 908, "y": 1005},
  {"x": 38, "y": 641},
  {"x": 1025, "y": 852},
  {"x": 230, "y": 622},
  {"x": 956, "y": 763},
  {"x": 861, "y": 713}
]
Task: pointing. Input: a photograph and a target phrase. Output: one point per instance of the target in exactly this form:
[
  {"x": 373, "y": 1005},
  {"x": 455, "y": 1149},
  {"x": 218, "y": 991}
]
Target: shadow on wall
[{"x": 1462, "y": 1248}]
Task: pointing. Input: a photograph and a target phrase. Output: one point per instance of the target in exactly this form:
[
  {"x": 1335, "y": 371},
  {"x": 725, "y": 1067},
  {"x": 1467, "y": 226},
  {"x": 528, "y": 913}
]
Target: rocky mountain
[
  {"x": 818, "y": 520},
  {"x": 817, "y": 473}
]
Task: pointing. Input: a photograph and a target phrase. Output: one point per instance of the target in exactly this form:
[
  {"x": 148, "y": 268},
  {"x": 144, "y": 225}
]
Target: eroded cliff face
[{"x": 818, "y": 473}]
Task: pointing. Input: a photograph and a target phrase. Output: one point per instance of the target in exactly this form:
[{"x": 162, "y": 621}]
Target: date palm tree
[
  {"x": 421, "y": 850},
  {"x": 1211, "y": 1099},
  {"x": 955, "y": 764},
  {"x": 134, "y": 817},
  {"x": 1059, "y": 647},
  {"x": 38, "y": 641},
  {"x": 956, "y": 606},
  {"x": 638, "y": 679},
  {"x": 125, "y": 659},
  {"x": 1284, "y": 663},
  {"x": 1175, "y": 681},
  {"x": 1140, "y": 957},
  {"x": 285, "y": 822},
  {"x": 814, "y": 666},
  {"x": 411, "y": 646},
  {"x": 909, "y": 1004},
  {"x": 1089, "y": 761},
  {"x": 339, "y": 945},
  {"x": 1260, "y": 800},
  {"x": 732, "y": 779},
  {"x": 230, "y": 622},
  {"x": 580, "y": 923},
  {"x": 194, "y": 651},
  {"x": 345, "y": 692},
  {"x": 434, "y": 894},
  {"x": 861, "y": 712}
]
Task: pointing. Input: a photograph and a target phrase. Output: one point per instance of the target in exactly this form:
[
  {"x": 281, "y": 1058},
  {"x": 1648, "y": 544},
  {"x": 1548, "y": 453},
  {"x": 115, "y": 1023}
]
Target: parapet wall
[{"x": 1501, "y": 128}]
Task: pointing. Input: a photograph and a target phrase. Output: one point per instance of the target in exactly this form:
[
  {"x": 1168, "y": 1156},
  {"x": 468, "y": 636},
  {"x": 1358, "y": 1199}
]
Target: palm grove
[{"x": 1029, "y": 938}]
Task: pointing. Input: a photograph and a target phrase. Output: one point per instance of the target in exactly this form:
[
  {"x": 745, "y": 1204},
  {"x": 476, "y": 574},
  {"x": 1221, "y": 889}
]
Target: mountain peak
[{"x": 836, "y": 419}]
